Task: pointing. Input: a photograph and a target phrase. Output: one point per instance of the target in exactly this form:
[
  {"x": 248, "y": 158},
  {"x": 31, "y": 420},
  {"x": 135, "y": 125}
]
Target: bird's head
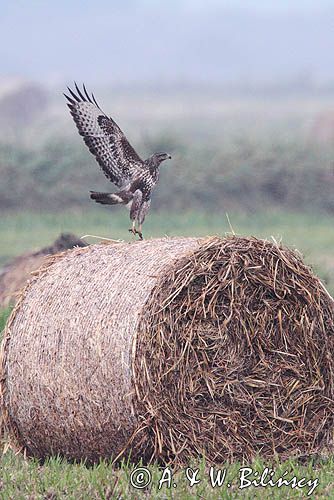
[{"x": 160, "y": 157}]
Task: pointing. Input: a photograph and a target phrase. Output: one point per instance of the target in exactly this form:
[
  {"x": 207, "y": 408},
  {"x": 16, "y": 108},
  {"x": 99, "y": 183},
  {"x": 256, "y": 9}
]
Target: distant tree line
[{"x": 241, "y": 175}]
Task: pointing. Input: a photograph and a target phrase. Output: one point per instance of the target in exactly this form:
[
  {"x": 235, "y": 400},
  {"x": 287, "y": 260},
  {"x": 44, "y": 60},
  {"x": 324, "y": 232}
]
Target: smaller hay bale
[
  {"x": 15, "y": 273},
  {"x": 171, "y": 349}
]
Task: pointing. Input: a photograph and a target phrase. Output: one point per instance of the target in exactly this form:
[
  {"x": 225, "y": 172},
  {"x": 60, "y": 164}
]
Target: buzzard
[{"x": 134, "y": 177}]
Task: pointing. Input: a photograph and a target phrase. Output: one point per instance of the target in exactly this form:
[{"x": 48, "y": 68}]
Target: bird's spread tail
[{"x": 110, "y": 198}]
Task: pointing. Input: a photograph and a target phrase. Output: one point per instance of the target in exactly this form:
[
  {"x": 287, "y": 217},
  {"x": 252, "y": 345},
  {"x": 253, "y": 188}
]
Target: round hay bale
[
  {"x": 14, "y": 275},
  {"x": 169, "y": 349}
]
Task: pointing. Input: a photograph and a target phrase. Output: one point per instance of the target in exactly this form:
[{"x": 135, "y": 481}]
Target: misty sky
[{"x": 146, "y": 40}]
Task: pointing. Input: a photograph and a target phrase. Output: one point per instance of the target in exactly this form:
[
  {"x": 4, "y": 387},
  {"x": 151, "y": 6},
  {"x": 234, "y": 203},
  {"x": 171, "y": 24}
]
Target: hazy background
[
  {"x": 178, "y": 41},
  {"x": 240, "y": 92}
]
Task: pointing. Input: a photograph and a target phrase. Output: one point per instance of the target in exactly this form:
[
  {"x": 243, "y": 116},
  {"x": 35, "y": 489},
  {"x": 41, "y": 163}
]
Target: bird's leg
[
  {"x": 139, "y": 232},
  {"x": 133, "y": 229}
]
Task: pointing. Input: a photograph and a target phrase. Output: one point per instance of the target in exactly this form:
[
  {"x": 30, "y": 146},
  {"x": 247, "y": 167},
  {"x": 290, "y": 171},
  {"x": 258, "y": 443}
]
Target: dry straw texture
[
  {"x": 170, "y": 349},
  {"x": 15, "y": 274}
]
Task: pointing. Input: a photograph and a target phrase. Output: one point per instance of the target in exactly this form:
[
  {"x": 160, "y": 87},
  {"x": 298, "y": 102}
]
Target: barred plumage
[{"x": 117, "y": 158}]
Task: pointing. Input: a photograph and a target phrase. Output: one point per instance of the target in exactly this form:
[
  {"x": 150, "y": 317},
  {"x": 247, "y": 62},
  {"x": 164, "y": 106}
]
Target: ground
[
  {"x": 311, "y": 233},
  {"x": 57, "y": 479}
]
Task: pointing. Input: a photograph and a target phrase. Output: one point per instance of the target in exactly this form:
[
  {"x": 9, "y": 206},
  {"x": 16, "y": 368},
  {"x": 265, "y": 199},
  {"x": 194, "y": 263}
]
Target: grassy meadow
[
  {"x": 312, "y": 234},
  {"x": 59, "y": 480}
]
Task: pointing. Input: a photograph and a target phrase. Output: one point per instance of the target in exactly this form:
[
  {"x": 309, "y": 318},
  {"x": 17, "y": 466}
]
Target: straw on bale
[
  {"x": 169, "y": 349},
  {"x": 15, "y": 273}
]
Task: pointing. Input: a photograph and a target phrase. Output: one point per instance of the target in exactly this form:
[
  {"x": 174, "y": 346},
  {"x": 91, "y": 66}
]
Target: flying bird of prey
[{"x": 135, "y": 178}]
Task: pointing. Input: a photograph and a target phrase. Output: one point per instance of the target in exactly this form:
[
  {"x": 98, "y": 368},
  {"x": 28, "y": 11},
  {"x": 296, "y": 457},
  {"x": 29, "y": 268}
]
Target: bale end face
[{"x": 235, "y": 352}]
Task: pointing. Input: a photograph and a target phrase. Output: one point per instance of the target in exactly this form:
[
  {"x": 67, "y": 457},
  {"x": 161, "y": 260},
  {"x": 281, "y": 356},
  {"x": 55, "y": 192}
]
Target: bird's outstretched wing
[{"x": 105, "y": 140}]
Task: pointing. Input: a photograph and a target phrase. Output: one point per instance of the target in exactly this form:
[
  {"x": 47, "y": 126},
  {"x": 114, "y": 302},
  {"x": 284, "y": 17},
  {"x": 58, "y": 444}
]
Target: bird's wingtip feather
[
  {"x": 86, "y": 93},
  {"x": 73, "y": 94},
  {"x": 79, "y": 92},
  {"x": 68, "y": 98}
]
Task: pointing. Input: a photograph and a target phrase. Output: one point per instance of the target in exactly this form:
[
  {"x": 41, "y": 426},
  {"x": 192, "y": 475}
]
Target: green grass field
[
  {"x": 57, "y": 479},
  {"x": 312, "y": 234}
]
